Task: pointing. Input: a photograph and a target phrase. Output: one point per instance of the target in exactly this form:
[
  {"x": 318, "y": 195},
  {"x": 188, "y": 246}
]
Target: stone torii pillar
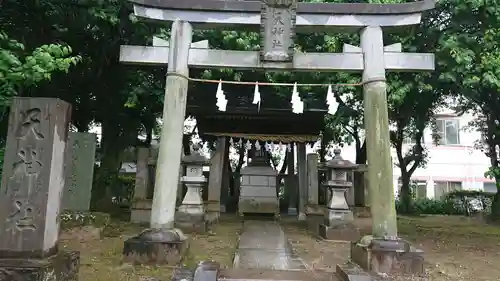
[
  {"x": 382, "y": 251},
  {"x": 162, "y": 243}
]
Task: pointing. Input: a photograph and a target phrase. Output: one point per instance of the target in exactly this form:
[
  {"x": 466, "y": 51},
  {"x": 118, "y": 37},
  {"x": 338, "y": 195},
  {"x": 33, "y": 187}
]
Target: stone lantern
[
  {"x": 338, "y": 218},
  {"x": 190, "y": 216}
]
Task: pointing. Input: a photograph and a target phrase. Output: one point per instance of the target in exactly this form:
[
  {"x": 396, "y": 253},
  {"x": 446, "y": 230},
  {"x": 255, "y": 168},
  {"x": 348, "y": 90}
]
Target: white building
[{"x": 452, "y": 164}]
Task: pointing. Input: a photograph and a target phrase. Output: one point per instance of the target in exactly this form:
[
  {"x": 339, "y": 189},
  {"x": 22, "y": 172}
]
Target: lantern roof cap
[
  {"x": 338, "y": 162},
  {"x": 196, "y": 157}
]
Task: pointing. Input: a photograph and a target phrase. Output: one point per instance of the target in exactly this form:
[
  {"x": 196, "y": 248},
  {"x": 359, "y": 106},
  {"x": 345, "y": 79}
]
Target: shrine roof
[
  {"x": 280, "y": 125},
  {"x": 202, "y": 100},
  {"x": 311, "y": 8}
]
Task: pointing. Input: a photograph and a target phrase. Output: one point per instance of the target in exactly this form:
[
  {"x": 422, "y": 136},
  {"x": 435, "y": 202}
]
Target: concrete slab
[{"x": 263, "y": 245}]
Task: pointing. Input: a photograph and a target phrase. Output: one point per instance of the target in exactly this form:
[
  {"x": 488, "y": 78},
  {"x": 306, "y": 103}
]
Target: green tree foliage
[
  {"x": 21, "y": 69},
  {"x": 469, "y": 58}
]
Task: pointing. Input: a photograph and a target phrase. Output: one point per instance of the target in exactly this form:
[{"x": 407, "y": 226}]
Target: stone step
[{"x": 275, "y": 275}]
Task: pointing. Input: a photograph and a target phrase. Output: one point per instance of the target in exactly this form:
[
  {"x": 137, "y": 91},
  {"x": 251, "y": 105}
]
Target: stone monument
[
  {"x": 190, "y": 217},
  {"x": 258, "y": 186},
  {"x": 338, "y": 218},
  {"x": 80, "y": 161},
  {"x": 31, "y": 190}
]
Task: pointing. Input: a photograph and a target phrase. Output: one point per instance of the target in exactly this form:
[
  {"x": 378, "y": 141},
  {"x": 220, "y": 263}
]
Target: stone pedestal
[
  {"x": 393, "y": 257},
  {"x": 156, "y": 247},
  {"x": 62, "y": 266},
  {"x": 338, "y": 219},
  {"x": 213, "y": 210},
  {"x": 190, "y": 220},
  {"x": 258, "y": 187},
  {"x": 141, "y": 210},
  {"x": 352, "y": 272},
  {"x": 190, "y": 217},
  {"x": 338, "y": 226}
]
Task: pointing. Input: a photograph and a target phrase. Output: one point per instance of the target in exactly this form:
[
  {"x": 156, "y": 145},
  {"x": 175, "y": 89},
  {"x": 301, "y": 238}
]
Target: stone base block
[
  {"x": 156, "y": 247},
  {"x": 393, "y": 257},
  {"x": 251, "y": 205},
  {"x": 141, "y": 211},
  {"x": 313, "y": 222},
  {"x": 213, "y": 210},
  {"x": 191, "y": 223},
  {"x": 352, "y": 272},
  {"x": 62, "y": 266},
  {"x": 212, "y": 218},
  {"x": 204, "y": 271},
  {"x": 362, "y": 212},
  {"x": 342, "y": 232}
]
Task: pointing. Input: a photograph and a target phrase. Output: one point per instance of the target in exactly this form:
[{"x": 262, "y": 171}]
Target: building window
[
  {"x": 411, "y": 140},
  {"x": 418, "y": 188},
  {"x": 445, "y": 187},
  {"x": 448, "y": 131},
  {"x": 490, "y": 187}
]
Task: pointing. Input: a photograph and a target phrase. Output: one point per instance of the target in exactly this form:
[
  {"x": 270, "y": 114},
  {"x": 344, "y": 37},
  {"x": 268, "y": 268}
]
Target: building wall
[{"x": 448, "y": 164}]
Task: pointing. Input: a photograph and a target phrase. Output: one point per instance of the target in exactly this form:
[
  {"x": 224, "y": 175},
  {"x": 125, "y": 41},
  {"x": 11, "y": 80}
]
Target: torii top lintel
[
  {"x": 311, "y": 17},
  {"x": 307, "y": 8}
]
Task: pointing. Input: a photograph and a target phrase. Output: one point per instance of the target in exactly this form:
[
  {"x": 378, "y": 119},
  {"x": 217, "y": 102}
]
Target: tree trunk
[
  {"x": 149, "y": 136},
  {"x": 283, "y": 167},
  {"x": 493, "y": 145},
  {"x": 322, "y": 149},
  {"x": 495, "y": 204},
  {"x": 241, "y": 158},
  {"x": 106, "y": 177},
  {"x": 186, "y": 144},
  {"x": 405, "y": 194}
]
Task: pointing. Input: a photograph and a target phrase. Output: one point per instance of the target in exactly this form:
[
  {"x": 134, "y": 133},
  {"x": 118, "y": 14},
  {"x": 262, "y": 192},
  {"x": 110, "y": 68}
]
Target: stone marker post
[
  {"x": 141, "y": 206},
  {"x": 215, "y": 181},
  {"x": 162, "y": 243},
  {"x": 302, "y": 173},
  {"x": 291, "y": 186},
  {"x": 30, "y": 195},
  {"x": 314, "y": 212},
  {"x": 190, "y": 216},
  {"x": 80, "y": 162}
]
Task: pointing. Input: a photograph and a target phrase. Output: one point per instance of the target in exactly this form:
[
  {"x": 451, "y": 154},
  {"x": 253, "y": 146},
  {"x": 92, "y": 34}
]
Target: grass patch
[
  {"x": 101, "y": 258},
  {"x": 446, "y": 226}
]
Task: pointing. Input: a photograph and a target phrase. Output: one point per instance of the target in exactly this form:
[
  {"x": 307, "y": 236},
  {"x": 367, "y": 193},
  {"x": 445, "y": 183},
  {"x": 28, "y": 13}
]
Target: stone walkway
[{"x": 263, "y": 245}]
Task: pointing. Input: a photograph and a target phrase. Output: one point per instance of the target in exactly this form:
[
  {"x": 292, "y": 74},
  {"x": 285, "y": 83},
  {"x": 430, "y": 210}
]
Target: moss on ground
[{"x": 101, "y": 256}]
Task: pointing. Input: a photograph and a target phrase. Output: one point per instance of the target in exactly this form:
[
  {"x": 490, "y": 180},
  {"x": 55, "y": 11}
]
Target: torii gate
[{"x": 279, "y": 20}]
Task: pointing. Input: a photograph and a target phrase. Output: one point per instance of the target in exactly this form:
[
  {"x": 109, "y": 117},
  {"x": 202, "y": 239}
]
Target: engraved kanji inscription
[
  {"x": 27, "y": 166},
  {"x": 31, "y": 124},
  {"x": 22, "y": 218},
  {"x": 25, "y": 170},
  {"x": 277, "y": 30}
]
